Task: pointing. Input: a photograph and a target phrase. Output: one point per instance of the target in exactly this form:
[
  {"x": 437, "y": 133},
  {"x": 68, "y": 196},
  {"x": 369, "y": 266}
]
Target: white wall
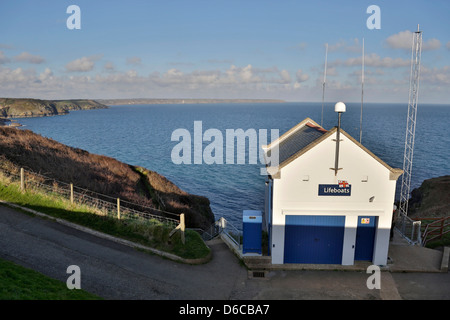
[{"x": 292, "y": 195}]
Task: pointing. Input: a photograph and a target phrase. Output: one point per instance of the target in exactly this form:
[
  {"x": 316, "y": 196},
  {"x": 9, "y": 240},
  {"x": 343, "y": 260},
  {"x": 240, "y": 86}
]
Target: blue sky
[{"x": 222, "y": 49}]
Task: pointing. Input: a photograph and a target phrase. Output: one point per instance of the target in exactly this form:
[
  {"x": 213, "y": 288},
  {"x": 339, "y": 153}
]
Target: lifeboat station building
[{"x": 329, "y": 200}]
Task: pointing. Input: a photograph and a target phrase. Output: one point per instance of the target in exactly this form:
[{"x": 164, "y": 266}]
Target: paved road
[{"x": 116, "y": 271}]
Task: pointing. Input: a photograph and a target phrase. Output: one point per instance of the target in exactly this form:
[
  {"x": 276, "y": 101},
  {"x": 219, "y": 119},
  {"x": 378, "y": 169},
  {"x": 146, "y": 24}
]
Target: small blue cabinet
[{"x": 252, "y": 231}]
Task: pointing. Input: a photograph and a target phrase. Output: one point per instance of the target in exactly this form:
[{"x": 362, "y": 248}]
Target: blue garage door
[
  {"x": 314, "y": 239},
  {"x": 365, "y": 238}
]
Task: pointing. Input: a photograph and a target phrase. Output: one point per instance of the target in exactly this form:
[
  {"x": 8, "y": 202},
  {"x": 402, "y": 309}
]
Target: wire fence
[{"x": 100, "y": 204}]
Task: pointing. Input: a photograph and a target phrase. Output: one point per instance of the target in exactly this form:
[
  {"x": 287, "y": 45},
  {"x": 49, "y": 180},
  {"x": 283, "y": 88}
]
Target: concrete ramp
[{"x": 414, "y": 259}]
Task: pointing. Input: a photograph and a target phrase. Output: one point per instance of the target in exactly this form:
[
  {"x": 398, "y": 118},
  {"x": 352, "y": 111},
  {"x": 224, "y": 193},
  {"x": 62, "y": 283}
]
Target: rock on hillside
[
  {"x": 101, "y": 174},
  {"x": 431, "y": 199}
]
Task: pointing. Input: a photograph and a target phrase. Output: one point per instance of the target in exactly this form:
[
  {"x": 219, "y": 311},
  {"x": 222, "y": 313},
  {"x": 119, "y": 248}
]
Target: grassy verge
[
  {"x": 150, "y": 233},
  {"x": 445, "y": 241},
  {"x": 19, "y": 283}
]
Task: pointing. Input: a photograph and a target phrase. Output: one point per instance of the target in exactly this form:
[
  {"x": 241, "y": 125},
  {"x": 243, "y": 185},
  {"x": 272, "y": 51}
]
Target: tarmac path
[{"x": 115, "y": 271}]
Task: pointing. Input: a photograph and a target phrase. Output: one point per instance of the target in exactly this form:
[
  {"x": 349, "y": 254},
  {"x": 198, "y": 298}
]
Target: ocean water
[{"x": 141, "y": 135}]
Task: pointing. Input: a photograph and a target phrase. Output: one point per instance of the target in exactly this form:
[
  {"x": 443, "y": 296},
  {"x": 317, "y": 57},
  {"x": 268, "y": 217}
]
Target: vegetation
[
  {"x": 444, "y": 242},
  {"x": 431, "y": 199},
  {"x": 101, "y": 174},
  {"x": 19, "y": 283},
  {"x": 20, "y": 108},
  {"x": 151, "y": 233}
]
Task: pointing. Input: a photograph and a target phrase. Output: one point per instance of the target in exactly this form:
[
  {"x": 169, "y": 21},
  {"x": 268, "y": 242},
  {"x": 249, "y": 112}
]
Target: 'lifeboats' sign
[{"x": 343, "y": 188}]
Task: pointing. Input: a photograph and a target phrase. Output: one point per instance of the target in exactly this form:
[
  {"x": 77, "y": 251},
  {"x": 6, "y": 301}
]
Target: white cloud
[
  {"x": 46, "y": 75},
  {"x": 435, "y": 76},
  {"x": 28, "y": 57},
  {"x": 300, "y": 76},
  {"x": 448, "y": 45},
  {"x": 3, "y": 58},
  {"x": 374, "y": 60},
  {"x": 343, "y": 45},
  {"x": 300, "y": 46},
  {"x": 134, "y": 60},
  {"x": 285, "y": 76},
  {"x": 14, "y": 80},
  {"x": 6, "y": 46},
  {"x": 109, "y": 66},
  {"x": 335, "y": 47},
  {"x": 403, "y": 40},
  {"x": 83, "y": 64},
  {"x": 432, "y": 44},
  {"x": 235, "y": 81}
]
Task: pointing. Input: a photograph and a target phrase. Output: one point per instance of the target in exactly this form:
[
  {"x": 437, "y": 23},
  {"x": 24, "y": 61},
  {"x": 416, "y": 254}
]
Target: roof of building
[
  {"x": 303, "y": 137},
  {"x": 294, "y": 140}
]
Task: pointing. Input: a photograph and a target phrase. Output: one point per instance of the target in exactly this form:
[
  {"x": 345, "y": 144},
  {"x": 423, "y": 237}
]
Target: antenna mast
[
  {"x": 411, "y": 121},
  {"x": 362, "y": 94},
  {"x": 324, "y": 80}
]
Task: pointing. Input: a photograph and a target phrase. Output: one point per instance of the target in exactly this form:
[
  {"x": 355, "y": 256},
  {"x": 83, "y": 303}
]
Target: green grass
[
  {"x": 445, "y": 241},
  {"x": 19, "y": 283},
  {"x": 151, "y": 233}
]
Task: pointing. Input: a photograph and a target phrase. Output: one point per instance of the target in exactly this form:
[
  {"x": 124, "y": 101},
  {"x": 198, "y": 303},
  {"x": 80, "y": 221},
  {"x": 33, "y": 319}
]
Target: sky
[{"x": 247, "y": 49}]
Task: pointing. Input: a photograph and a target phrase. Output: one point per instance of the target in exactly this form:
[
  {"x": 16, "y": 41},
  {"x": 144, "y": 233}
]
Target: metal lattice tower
[{"x": 411, "y": 121}]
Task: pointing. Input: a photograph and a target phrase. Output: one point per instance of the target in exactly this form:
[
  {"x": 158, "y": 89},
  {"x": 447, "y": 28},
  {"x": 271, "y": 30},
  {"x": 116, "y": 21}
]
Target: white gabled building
[{"x": 315, "y": 214}]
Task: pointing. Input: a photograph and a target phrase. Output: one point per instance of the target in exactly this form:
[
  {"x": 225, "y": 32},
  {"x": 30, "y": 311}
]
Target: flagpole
[
  {"x": 324, "y": 81},
  {"x": 362, "y": 93}
]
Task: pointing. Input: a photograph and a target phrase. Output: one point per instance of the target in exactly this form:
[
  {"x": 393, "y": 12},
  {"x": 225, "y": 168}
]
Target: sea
[{"x": 152, "y": 135}]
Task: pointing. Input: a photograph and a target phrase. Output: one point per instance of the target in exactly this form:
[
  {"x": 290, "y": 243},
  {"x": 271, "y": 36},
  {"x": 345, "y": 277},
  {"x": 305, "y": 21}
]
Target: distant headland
[
  {"x": 25, "y": 108},
  {"x": 111, "y": 102}
]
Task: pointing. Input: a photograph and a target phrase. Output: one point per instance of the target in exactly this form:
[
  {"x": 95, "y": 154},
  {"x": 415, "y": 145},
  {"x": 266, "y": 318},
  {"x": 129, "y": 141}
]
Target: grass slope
[
  {"x": 150, "y": 233},
  {"x": 19, "y": 283}
]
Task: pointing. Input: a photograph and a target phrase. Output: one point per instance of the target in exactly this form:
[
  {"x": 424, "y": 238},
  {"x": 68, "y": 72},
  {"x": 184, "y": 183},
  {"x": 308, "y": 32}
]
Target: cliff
[
  {"x": 22, "y": 107},
  {"x": 431, "y": 199},
  {"x": 101, "y": 174}
]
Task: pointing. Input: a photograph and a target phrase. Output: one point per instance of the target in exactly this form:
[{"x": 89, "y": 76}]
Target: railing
[
  {"x": 234, "y": 234},
  {"x": 409, "y": 228},
  {"x": 101, "y": 204},
  {"x": 221, "y": 226},
  {"x": 434, "y": 230}
]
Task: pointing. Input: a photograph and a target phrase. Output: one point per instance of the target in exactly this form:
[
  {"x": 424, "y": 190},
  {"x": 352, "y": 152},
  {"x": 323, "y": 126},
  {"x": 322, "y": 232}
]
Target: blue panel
[
  {"x": 252, "y": 234},
  {"x": 314, "y": 239},
  {"x": 365, "y": 238}
]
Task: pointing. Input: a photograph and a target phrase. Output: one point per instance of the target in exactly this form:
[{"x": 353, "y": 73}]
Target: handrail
[
  {"x": 222, "y": 225},
  {"x": 437, "y": 225}
]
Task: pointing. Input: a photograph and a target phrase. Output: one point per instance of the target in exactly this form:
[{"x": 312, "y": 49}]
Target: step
[
  {"x": 257, "y": 262},
  {"x": 445, "y": 259}
]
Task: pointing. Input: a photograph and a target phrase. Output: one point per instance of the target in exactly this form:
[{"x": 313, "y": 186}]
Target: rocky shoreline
[{"x": 431, "y": 199}]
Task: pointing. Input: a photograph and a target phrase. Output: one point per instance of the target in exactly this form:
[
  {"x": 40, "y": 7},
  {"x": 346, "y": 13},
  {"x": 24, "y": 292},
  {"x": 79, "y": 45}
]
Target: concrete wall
[{"x": 296, "y": 193}]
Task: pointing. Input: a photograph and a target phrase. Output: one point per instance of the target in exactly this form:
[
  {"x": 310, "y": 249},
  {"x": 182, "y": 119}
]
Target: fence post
[
  {"x": 182, "y": 228},
  {"x": 118, "y": 208},
  {"x": 71, "y": 193},
  {"x": 22, "y": 178}
]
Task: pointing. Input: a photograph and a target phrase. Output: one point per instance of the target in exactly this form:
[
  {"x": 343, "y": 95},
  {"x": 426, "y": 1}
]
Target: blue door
[
  {"x": 365, "y": 238},
  {"x": 314, "y": 239}
]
